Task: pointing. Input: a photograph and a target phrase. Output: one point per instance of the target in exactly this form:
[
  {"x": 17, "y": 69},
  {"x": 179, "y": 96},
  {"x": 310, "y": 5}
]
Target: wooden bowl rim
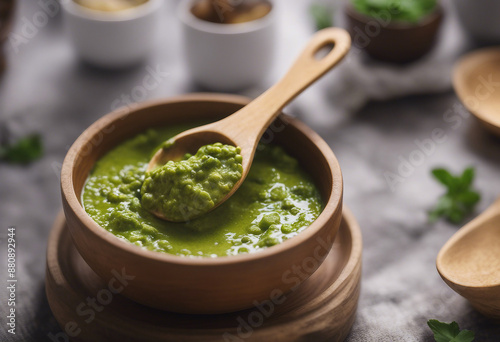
[
  {"x": 436, "y": 14},
  {"x": 332, "y": 206},
  {"x": 465, "y": 66}
]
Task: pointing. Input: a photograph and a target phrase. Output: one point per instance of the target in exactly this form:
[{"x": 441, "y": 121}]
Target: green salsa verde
[
  {"x": 276, "y": 202},
  {"x": 185, "y": 189}
]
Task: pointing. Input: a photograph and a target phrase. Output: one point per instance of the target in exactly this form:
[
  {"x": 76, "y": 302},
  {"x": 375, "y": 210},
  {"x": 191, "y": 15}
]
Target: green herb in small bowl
[
  {"x": 394, "y": 31},
  {"x": 410, "y": 11}
]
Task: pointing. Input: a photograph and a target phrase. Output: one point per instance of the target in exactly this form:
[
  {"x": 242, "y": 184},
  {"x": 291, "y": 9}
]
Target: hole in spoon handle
[
  {"x": 307, "y": 68},
  {"x": 253, "y": 119},
  {"x": 325, "y": 49}
]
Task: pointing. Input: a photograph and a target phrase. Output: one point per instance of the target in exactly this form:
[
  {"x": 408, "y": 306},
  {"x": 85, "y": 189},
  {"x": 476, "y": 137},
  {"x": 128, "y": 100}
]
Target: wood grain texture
[
  {"x": 475, "y": 79},
  {"x": 321, "y": 309},
  {"x": 470, "y": 262},
  {"x": 203, "y": 285}
]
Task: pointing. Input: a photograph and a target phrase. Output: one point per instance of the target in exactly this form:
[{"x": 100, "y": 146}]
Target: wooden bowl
[
  {"x": 475, "y": 80},
  {"x": 200, "y": 285},
  {"x": 393, "y": 41},
  {"x": 323, "y": 308}
]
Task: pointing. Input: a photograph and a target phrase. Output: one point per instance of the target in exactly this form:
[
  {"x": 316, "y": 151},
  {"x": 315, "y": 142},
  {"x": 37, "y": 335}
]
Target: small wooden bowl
[
  {"x": 6, "y": 18},
  {"x": 323, "y": 308},
  {"x": 393, "y": 41},
  {"x": 200, "y": 285}
]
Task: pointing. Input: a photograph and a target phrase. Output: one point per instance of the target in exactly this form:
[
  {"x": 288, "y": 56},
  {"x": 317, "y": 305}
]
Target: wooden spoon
[
  {"x": 470, "y": 262},
  {"x": 476, "y": 80},
  {"x": 245, "y": 127}
]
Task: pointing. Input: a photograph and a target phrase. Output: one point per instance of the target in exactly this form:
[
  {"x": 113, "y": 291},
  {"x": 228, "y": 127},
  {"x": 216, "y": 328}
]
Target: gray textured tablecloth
[{"x": 47, "y": 89}]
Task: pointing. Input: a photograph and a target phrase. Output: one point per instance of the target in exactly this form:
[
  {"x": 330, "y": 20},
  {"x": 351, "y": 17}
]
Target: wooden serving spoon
[
  {"x": 476, "y": 80},
  {"x": 470, "y": 262},
  {"x": 245, "y": 127}
]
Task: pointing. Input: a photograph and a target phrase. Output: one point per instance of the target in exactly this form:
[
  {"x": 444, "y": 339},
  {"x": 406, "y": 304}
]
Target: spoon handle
[{"x": 310, "y": 66}]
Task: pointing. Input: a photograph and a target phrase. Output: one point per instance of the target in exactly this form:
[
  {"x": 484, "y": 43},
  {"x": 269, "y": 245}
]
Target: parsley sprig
[
  {"x": 459, "y": 200},
  {"x": 444, "y": 332},
  {"x": 25, "y": 150}
]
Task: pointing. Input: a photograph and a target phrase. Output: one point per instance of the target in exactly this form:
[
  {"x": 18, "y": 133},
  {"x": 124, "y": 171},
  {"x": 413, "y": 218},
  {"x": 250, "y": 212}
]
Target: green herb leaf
[
  {"x": 444, "y": 332},
  {"x": 464, "y": 336},
  {"x": 26, "y": 150},
  {"x": 443, "y": 206},
  {"x": 469, "y": 198},
  {"x": 467, "y": 177},
  {"x": 455, "y": 215},
  {"x": 444, "y": 176},
  {"x": 322, "y": 16},
  {"x": 459, "y": 200}
]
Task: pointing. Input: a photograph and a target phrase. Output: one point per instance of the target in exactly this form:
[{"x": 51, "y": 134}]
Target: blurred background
[{"x": 64, "y": 67}]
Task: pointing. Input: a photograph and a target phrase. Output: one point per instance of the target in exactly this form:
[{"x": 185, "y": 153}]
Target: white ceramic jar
[
  {"x": 227, "y": 57},
  {"x": 113, "y": 39}
]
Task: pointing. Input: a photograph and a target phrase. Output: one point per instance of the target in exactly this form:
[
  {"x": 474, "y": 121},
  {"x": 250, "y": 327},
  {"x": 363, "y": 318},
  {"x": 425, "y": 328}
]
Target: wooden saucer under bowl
[{"x": 321, "y": 309}]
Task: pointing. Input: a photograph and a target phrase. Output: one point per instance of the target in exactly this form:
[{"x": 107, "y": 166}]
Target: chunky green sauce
[
  {"x": 276, "y": 201},
  {"x": 185, "y": 189}
]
